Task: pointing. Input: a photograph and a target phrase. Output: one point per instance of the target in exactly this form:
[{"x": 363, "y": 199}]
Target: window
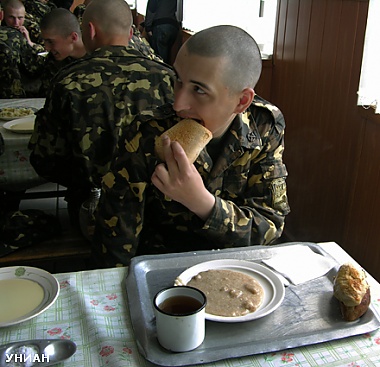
[
  {"x": 257, "y": 17},
  {"x": 369, "y": 87},
  {"x": 131, "y": 3},
  {"x": 141, "y": 6}
]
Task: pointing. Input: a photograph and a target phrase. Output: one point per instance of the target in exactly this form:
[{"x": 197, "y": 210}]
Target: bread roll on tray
[
  {"x": 192, "y": 136},
  {"x": 352, "y": 291}
]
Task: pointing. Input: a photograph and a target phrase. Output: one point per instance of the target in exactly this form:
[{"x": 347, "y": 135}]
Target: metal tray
[{"x": 308, "y": 315}]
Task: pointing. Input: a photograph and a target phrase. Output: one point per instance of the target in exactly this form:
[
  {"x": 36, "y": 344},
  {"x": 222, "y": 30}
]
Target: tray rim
[{"x": 201, "y": 356}]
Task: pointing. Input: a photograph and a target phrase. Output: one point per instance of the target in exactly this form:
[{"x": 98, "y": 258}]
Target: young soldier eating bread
[{"x": 155, "y": 200}]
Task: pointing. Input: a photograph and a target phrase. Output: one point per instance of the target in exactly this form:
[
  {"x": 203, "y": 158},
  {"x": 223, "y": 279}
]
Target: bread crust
[
  {"x": 352, "y": 313},
  {"x": 192, "y": 136},
  {"x": 352, "y": 291}
]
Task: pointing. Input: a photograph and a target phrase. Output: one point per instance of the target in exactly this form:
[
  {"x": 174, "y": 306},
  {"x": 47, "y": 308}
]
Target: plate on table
[
  {"x": 25, "y": 293},
  {"x": 12, "y": 113},
  {"x": 24, "y": 125},
  {"x": 274, "y": 290}
]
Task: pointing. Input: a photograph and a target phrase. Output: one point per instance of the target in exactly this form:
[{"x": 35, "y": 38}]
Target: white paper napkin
[{"x": 299, "y": 264}]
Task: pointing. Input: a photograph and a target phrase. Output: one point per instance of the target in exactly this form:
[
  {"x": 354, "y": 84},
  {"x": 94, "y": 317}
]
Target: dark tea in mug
[{"x": 180, "y": 305}]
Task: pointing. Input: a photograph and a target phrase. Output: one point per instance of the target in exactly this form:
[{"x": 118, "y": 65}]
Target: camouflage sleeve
[
  {"x": 256, "y": 215},
  {"x": 78, "y": 12},
  {"x": 33, "y": 27},
  {"x": 27, "y": 57},
  {"x": 121, "y": 209},
  {"x": 10, "y": 86},
  {"x": 139, "y": 43},
  {"x": 31, "y": 62}
]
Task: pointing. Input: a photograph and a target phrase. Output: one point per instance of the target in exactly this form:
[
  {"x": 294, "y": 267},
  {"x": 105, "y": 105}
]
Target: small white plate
[
  {"x": 24, "y": 125},
  {"x": 274, "y": 290},
  {"x": 45, "y": 280},
  {"x": 14, "y": 113}
]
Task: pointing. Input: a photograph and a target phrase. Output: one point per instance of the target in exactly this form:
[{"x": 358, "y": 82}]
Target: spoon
[{"x": 39, "y": 352}]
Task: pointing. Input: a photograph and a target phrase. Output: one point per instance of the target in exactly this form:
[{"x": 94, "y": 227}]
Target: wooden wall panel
[
  {"x": 316, "y": 69},
  {"x": 363, "y": 218}
]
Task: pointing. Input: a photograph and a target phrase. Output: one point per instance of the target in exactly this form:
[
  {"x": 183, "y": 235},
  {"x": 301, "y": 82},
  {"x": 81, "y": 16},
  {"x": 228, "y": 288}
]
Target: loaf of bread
[
  {"x": 192, "y": 136},
  {"x": 352, "y": 291}
]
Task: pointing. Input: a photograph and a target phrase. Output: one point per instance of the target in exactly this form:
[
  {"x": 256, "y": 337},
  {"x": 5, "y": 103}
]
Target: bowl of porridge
[{"x": 236, "y": 290}]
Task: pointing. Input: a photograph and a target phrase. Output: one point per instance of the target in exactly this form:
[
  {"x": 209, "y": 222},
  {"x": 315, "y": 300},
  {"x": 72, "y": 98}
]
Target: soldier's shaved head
[
  {"x": 14, "y": 13},
  {"x": 15, "y": 4},
  {"x": 237, "y": 46},
  {"x": 60, "y": 21},
  {"x": 111, "y": 16}
]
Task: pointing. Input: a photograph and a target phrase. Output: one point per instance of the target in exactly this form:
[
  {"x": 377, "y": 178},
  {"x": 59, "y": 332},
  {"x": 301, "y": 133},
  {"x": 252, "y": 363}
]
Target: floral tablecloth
[
  {"x": 91, "y": 310},
  {"x": 16, "y": 173}
]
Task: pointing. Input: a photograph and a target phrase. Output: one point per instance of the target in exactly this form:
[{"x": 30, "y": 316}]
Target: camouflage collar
[{"x": 245, "y": 131}]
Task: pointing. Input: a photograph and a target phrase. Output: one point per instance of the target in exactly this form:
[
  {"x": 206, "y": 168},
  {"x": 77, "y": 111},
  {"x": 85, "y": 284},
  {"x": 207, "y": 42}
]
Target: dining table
[
  {"x": 93, "y": 310},
  {"x": 16, "y": 172}
]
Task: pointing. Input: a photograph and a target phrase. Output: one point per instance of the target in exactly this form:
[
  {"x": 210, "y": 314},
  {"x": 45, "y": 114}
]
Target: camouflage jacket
[
  {"x": 51, "y": 68},
  {"x": 141, "y": 44},
  {"x": 78, "y": 12},
  {"x": 11, "y": 85},
  {"x": 35, "y": 11},
  {"x": 88, "y": 103},
  {"x": 28, "y": 60},
  {"x": 38, "y": 9},
  {"x": 33, "y": 27},
  {"x": 247, "y": 179}
]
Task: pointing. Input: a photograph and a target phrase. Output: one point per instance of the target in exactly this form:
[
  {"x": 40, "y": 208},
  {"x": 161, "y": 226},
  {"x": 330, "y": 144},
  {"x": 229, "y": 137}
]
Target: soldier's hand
[
  {"x": 180, "y": 181},
  {"x": 25, "y": 33}
]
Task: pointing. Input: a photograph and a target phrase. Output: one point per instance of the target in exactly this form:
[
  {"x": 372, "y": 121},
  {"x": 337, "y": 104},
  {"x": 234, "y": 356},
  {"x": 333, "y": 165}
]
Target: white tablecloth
[
  {"x": 92, "y": 311},
  {"x": 16, "y": 172}
]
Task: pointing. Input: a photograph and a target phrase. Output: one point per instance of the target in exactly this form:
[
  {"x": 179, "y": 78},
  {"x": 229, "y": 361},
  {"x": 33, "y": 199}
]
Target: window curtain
[{"x": 369, "y": 87}]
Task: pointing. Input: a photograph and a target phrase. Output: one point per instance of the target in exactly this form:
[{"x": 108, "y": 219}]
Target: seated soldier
[
  {"x": 92, "y": 99},
  {"x": 28, "y": 63},
  {"x": 14, "y": 17},
  {"x": 62, "y": 37},
  {"x": 137, "y": 41}
]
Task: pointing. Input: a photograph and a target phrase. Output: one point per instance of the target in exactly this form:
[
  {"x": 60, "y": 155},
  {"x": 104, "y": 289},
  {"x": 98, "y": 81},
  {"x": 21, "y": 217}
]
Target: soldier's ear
[
  {"x": 92, "y": 30},
  {"x": 245, "y": 99},
  {"x": 74, "y": 36},
  {"x": 130, "y": 33}
]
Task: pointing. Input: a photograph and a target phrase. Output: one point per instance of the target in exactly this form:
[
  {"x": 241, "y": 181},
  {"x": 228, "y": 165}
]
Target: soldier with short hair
[
  {"x": 92, "y": 100},
  {"x": 22, "y": 66},
  {"x": 62, "y": 37},
  {"x": 233, "y": 195},
  {"x": 15, "y": 17}
]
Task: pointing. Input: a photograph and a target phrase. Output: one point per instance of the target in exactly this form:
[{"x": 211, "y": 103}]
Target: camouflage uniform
[
  {"x": 247, "y": 179},
  {"x": 141, "y": 44},
  {"x": 27, "y": 59},
  {"x": 11, "y": 85},
  {"x": 78, "y": 12},
  {"x": 33, "y": 27},
  {"x": 51, "y": 68},
  {"x": 35, "y": 11},
  {"x": 38, "y": 8},
  {"x": 88, "y": 103}
]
